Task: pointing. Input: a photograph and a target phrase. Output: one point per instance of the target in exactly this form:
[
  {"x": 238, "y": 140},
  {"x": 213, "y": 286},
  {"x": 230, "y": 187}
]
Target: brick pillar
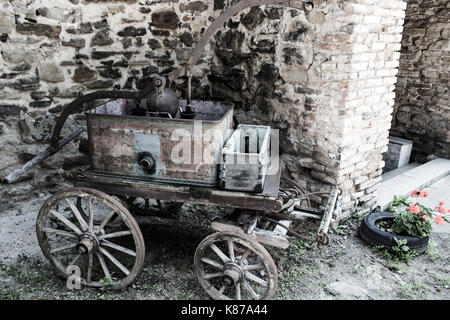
[{"x": 348, "y": 91}]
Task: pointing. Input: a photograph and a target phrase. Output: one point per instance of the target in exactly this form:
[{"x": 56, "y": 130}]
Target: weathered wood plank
[
  {"x": 297, "y": 215},
  {"x": 328, "y": 214},
  {"x": 16, "y": 174},
  {"x": 279, "y": 229}
]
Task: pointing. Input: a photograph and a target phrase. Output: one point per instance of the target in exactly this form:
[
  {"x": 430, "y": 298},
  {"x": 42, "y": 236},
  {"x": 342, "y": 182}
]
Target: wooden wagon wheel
[
  {"x": 146, "y": 207},
  {"x": 103, "y": 255},
  {"x": 232, "y": 266}
]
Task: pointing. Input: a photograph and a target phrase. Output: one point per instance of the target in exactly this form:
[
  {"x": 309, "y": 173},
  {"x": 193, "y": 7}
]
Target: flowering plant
[{"x": 414, "y": 219}]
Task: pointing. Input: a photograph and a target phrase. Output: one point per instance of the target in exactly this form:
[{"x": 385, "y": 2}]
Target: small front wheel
[{"x": 233, "y": 266}]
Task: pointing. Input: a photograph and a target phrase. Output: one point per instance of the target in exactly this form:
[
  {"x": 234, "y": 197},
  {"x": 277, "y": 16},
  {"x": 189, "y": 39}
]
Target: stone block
[
  {"x": 39, "y": 29},
  {"x": 165, "y": 20},
  {"x": 398, "y": 154},
  {"x": 50, "y": 72},
  {"x": 11, "y": 109},
  {"x": 84, "y": 74},
  {"x": 7, "y": 22}
]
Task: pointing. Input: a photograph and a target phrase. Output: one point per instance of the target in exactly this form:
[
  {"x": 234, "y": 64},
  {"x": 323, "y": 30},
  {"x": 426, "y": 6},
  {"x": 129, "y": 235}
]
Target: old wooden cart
[{"x": 90, "y": 229}]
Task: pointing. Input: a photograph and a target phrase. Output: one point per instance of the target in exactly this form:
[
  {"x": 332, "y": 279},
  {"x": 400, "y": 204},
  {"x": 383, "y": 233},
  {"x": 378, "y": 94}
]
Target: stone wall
[
  {"x": 326, "y": 79},
  {"x": 422, "y": 109}
]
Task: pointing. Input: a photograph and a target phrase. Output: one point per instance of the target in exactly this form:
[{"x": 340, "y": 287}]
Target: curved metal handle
[
  {"x": 227, "y": 14},
  {"x": 76, "y": 106}
]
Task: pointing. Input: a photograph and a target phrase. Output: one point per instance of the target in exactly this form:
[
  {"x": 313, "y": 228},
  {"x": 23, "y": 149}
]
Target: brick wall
[
  {"x": 326, "y": 78},
  {"x": 422, "y": 108}
]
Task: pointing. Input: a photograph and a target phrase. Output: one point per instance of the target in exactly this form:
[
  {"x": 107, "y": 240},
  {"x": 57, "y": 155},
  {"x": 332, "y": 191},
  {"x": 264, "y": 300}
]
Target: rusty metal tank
[{"x": 145, "y": 148}]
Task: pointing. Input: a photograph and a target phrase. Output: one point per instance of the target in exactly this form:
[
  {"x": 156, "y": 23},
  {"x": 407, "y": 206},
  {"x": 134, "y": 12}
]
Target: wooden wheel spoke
[
  {"x": 256, "y": 279},
  {"x": 212, "y": 262},
  {"x": 63, "y": 248},
  {"x": 64, "y": 220},
  {"x": 221, "y": 290},
  {"x": 118, "y": 248},
  {"x": 244, "y": 256},
  {"x": 77, "y": 214},
  {"x": 74, "y": 260},
  {"x": 115, "y": 261},
  {"x": 89, "y": 271},
  {"x": 238, "y": 291},
  {"x": 103, "y": 264},
  {"x": 106, "y": 221},
  {"x": 212, "y": 275},
  {"x": 231, "y": 250},
  {"x": 60, "y": 232},
  {"x": 219, "y": 252},
  {"x": 250, "y": 290},
  {"x": 91, "y": 215},
  {"x": 115, "y": 235},
  {"x": 253, "y": 267}
]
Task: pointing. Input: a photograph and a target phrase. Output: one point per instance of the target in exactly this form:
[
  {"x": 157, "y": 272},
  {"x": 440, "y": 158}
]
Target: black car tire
[{"x": 371, "y": 234}]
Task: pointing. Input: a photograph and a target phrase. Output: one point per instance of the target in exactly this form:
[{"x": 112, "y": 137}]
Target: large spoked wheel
[
  {"x": 104, "y": 252},
  {"x": 232, "y": 266}
]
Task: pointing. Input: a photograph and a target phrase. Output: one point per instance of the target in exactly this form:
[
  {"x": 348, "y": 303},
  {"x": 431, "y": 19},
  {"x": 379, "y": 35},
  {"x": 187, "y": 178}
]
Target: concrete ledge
[
  {"x": 396, "y": 172},
  {"x": 415, "y": 178}
]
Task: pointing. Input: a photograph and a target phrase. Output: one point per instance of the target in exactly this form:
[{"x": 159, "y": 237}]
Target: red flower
[
  {"x": 414, "y": 208},
  {"x": 416, "y": 194},
  {"x": 442, "y": 203},
  {"x": 419, "y": 194},
  {"x": 439, "y": 220},
  {"x": 440, "y": 209},
  {"x": 425, "y": 217}
]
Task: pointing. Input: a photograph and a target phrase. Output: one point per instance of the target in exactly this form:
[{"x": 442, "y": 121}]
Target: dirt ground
[{"x": 345, "y": 269}]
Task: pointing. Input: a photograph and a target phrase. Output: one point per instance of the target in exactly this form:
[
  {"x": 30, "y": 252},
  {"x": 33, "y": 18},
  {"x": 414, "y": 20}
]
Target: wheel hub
[
  {"x": 232, "y": 275},
  {"x": 87, "y": 243}
]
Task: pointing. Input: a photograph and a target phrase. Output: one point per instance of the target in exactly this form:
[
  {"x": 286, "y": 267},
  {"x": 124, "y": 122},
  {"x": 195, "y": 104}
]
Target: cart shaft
[{"x": 16, "y": 174}]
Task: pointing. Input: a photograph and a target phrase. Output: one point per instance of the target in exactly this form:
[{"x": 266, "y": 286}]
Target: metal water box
[{"x": 153, "y": 148}]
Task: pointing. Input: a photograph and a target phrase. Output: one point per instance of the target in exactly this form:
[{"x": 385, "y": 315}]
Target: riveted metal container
[{"x": 180, "y": 151}]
